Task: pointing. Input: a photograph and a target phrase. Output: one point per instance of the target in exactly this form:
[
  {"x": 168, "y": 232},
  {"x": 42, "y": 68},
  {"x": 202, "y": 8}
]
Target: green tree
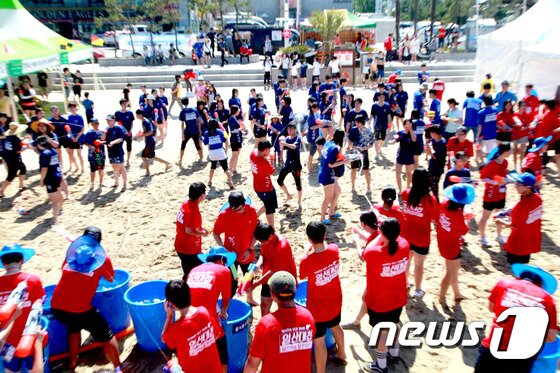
[
  {"x": 119, "y": 13},
  {"x": 327, "y": 23},
  {"x": 238, "y": 6},
  {"x": 364, "y": 6}
]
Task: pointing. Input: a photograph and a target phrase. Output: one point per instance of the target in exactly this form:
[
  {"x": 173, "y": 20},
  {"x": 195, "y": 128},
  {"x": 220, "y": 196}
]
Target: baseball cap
[
  {"x": 283, "y": 285},
  {"x": 424, "y": 86},
  {"x": 94, "y": 120},
  {"x": 110, "y": 117},
  {"x": 505, "y": 82},
  {"x": 398, "y": 72},
  {"x": 525, "y": 178},
  {"x": 150, "y": 97}
]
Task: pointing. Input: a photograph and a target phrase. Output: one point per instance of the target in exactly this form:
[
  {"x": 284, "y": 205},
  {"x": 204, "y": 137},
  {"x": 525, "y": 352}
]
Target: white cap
[{"x": 150, "y": 97}]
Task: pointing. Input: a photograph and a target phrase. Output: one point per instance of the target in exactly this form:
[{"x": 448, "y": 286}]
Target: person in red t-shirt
[
  {"x": 460, "y": 143},
  {"x": 206, "y": 282},
  {"x": 532, "y": 101},
  {"x": 283, "y": 339},
  {"x": 451, "y": 228},
  {"x": 533, "y": 162},
  {"x": 276, "y": 255},
  {"x": 388, "y": 44},
  {"x": 420, "y": 209},
  {"x": 193, "y": 336},
  {"x": 388, "y": 209},
  {"x": 13, "y": 256},
  {"x": 386, "y": 290},
  {"x": 439, "y": 87},
  {"x": 520, "y": 133},
  {"x": 237, "y": 223},
  {"x": 320, "y": 265},
  {"x": 532, "y": 287},
  {"x": 188, "y": 241},
  {"x": 494, "y": 190},
  {"x": 506, "y": 122},
  {"x": 262, "y": 169},
  {"x": 85, "y": 263},
  {"x": 524, "y": 219}
]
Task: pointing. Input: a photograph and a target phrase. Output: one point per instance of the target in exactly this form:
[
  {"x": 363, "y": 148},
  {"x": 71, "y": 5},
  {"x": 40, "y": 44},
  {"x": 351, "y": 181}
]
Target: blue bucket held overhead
[
  {"x": 237, "y": 334},
  {"x": 547, "y": 360},
  {"x": 58, "y": 333},
  {"x": 145, "y": 302},
  {"x": 109, "y": 301}
]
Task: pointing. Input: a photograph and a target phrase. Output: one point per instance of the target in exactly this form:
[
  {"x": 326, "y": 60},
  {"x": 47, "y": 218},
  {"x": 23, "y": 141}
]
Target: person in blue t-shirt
[
  {"x": 292, "y": 163},
  {"x": 258, "y": 114},
  {"x": 88, "y": 105},
  {"x": 77, "y": 127},
  {"x": 435, "y": 108},
  {"x": 215, "y": 139},
  {"x": 437, "y": 150},
  {"x": 327, "y": 85},
  {"x": 350, "y": 117},
  {"x": 360, "y": 139},
  {"x": 330, "y": 159},
  {"x": 314, "y": 92},
  {"x": 400, "y": 98},
  {"x": 191, "y": 128},
  {"x": 286, "y": 111},
  {"x": 275, "y": 130},
  {"x": 471, "y": 107},
  {"x": 326, "y": 108},
  {"x": 143, "y": 99},
  {"x": 405, "y": 153},
  {"x": 423, "y": 75},
  {"x": 50, "y": 174},
  {"x": 312, "y": 130},
  {"x": 303, "y": 73},
  {"x": 149, "y": 151},
  {"x": 236, "y": 137},
  {"x": 460, "y": 160},
  {"x": 115, "y": 138},
  {"x": 419, "y": 99},
  {"x": 381, "y": 116},
  {"x": 487, "y": 126},
  {"x": 94, "y": 139},
  {"x": 503, "y": 96},
  {"x": 418, "y": 126},
  {"x": 126, "y": 118},
  {"x": 280, "y": 90}
]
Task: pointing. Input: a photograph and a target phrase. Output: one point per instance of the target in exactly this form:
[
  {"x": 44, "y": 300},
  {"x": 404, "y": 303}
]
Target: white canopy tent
[{"x": 525, "y": 50}]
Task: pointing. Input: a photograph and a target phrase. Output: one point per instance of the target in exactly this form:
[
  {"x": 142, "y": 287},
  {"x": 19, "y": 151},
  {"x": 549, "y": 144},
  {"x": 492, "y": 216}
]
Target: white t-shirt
[
  {"x": 295, "y": 68},
  {"x": 316, "y": 68},
  {"x": 217, "y": 154},
  {"x": 267, "y": 66},
  {"x": 285, "y": 63},
  {"x": 334, "y": 66},
  {"x": 414, "y": 46}
]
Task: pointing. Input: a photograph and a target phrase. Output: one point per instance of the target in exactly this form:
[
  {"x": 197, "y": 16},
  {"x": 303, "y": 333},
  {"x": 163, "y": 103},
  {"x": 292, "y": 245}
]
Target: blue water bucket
[
  {"x": 109, "y": 301},
  {"x": 547, "y": 361},
  {"x": 145, "y": 302},
  {"x": 237, "y": 334},
  {"x": 301, "y": 300},
  {"x": 58, "y": 333},
  {"x": 226, "y": 205}
]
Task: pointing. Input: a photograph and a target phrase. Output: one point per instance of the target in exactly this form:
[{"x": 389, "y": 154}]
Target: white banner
[
  {"x": 37, "y": 64},
  {"x": 3, "y": 71},
  {"x": 184, "y": 41}
]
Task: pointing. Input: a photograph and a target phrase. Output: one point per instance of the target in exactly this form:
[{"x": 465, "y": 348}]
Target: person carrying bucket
[
  {"x": 237, "y": 224},
  {"x": 206, "y": 282},
  {"x": 531, "y": 287},
  {"x": 283, "y": 338},
  {"x": 18, "y": 292},
  {"x": 85, "y": 263},
  {"x": 193, "y": 334}
]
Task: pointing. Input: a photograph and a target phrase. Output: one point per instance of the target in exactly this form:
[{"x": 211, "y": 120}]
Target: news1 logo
[{"x": 526, "y": 338}]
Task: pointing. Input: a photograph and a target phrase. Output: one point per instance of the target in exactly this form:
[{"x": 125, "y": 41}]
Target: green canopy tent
[{"x": 28, "y": 46}]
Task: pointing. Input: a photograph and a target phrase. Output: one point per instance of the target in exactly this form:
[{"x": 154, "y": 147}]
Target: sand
[{"x": 139, "y": 228}]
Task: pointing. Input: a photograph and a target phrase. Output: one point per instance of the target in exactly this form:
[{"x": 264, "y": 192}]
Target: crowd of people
[{"x": 337, "y": 133}]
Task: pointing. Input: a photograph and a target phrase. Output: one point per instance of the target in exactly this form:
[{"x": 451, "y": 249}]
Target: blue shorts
[
  {"x": 326, "y": 179},
  {"x": 13, "y": 363},
  {"x": 53, "y": 185},
  {"x": 312, "y": 148},
  {"x": 270, "y": 201}
]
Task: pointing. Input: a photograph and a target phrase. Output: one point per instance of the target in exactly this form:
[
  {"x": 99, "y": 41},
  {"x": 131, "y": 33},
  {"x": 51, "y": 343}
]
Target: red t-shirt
[
  {"x": 194, "y": 339},
  {"x": 454, "y": 146},
  {"x": 439, "y": 86},
  {"x": 533, "y": 104},
  {"x": 278, "y": 256},
  {"x": 494, "y": 193},
  {"x": 75, "y": 290},
  {"x": 533, "y": 163},
  {"x": 388, "y": 44},
  {"x": 283, "y": 340},
  {"x": 523, "y": 130},
  {"x": 547, "y": 124},
  {"x": 262, "y": 169},
  {"x": 505, "y": 118},
  {"x": 441, "y": 33},
  {"x": 238, "y": 231},
  {"x": 394, "y": 212},
  {"x": 526, "y": 236},
  {"x": 188, "y": 216},
  {"x": 324, "y": 293},
  {"x": 34, "y": 292},
  {"x": 512, "y": 292},
  {"x": 451, "y": 228},
  {"x": 207, "y": 281},
  {"x": 386, "y": 276},
  {"x": 417, "y": 225}
]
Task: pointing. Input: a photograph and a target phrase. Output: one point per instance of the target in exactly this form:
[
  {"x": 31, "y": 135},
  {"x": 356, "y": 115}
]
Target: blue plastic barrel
[
  {"x": 237, "y": 334},
  {"x": 109, "y": 301},
  {"x": 145, "y": 302},
  {"x": 58, "y": 333},
  {"x": 547, "y": 361},
  {"x": 301, "y": 299},
  {"x": 226, "y": 205}
]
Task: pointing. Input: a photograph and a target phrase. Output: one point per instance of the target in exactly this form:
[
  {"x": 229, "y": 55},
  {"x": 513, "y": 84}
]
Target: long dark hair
[
  {"x": 391, "y": 229},
  {"x": 420, "y": 187},
  {"x": 389, "y": 195},
  {"x": 454, "y": 206}
]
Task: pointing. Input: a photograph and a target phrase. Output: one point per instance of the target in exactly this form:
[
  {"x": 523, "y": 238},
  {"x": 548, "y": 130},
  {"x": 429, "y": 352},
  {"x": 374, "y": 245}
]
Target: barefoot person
[
  {"x": 85, "y": 263},
  {"x": 114, "y": 139},
  {"x": 51, "y": 174},
  {"x": 262, "y": 169},
  {"x": 329, "y": 161},
  {"x": 320, "y": 265},
  {"x": 191, "y": 125},
  {"x": 292, "y": 163},
  {"x": 360, "y": 139},
  {"x": 12, "y": 157},
  {"x": 94, "y": 139},
  {"x": 75, "y": 130},
  {"x": 215, "y": 140},
  {"x": 149, "y": 151},
  {"x": 126, "y": 118},
  {"x": 451, "y": 228}
]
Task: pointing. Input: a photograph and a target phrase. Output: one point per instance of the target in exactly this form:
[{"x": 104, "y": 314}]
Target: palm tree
[
  {"x": 397, "y": 21},
  {"x": 432, "y": 18},
  {"x": 415, "y": 15},
  {"x": 327, "y": 23}
]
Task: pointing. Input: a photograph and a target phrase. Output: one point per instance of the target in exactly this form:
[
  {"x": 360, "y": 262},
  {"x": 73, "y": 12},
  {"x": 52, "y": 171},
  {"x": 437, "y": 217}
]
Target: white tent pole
[
  {"x": 95, "y": 82},
  {"x": 12, "y": 97},
  {"x": 61, "y": 76}
]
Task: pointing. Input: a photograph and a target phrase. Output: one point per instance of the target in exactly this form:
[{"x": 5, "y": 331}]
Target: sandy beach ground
[{"x": 139, "y": 228}]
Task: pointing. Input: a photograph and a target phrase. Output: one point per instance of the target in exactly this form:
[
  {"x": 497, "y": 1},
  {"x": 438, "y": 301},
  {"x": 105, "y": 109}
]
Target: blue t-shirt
[
  {"x": 502, "y": 97},
  {"x": 465, "y": 172},
  {"x": 401, "y": 99},
  {"x": 419, "y": 102},
  {"x": 350, "y": 117},
  {"x": 190, "y": 117},
  {"x": 76, "y": 123},
  {"x": 235, "y": 130},
  {"x": 303, "y": 70},
  {"x": 117, "y": 132},
  {"x": 435, "y": 106},
  {"x": 59, "y": 125},
  {"x": 278, "y": 91},
  {"x": 142, "y": 100},
  {"x": 88, "y": 104},
  {"x": 292, "y": 155},
  {"x": 89, "y": 138},
  {"x": 223, "y": 114},
  {"x": 487, "y": 119},
  {"x": 198, "y": 48},
  {"x": 237, "y": 102},
  {"x": 148, "y": 126},
  {"x": 149, "y": 113},
  {"x": 419, "y": 127},
  {"x": 405, "y": 152},
  {"x": 49, "y": 159},
  {"x": 287, "y": 114},
  {"x": 325, "y": 114},
  {"x": 328, "y": 156},
  {"x": 472, "y": 106},
  {"x": 326, "y": 87},
  {"x": 312, "y": 134},
  {"x": 377, "y": 94},
  {"x": 436, "y": 164},
  {"x": 314, "y": 94},
  {"x": 214, "y": 140},
  {"x": 259, "y": 115},
  {"x": 423, "y": 77},
  {"x": 380, "y": 113},
  {"x": 252, "y": 101},
  {"x": 126, "y": 118}
]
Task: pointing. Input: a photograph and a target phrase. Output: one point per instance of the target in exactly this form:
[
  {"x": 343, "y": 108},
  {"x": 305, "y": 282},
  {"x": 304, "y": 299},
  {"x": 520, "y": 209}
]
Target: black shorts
[
  {"x": 95, "y": 166},
  {"x": 53, "y": 185},
  {"x": 188, "y": 262},
  {"x": 373, "y": 76},
  {"x": 491, "y": 206},
  {"x": 390, "y": 316},
  {"x": 91, "y": 320},
  {"x": 265, "y": 291},
  {"x": 223, "y": 164},
  {"x": 321, "y": 327},
  {"x": 379, "y": 134},
  {"x": 486, "y": 362},
  {"x": 195, "y": 139},
  {"x": 270, "y": 201},
  {"x": 15, "y": 167},
  {"x": 63, "y": 141},
  {"x": 556, "y": 147},
  {"x": 73, "y": 145},
  {"x": 357, "y": 164},
  {"x": 221, "y": 343},
  {"x": 235, "y": 146},
  {"x": 128, "y": 141},
  {"x": 148, "y": 152},
  {"x": 503, "y": 136},
  {"x": 513, "y": 258},
  {"x": 420, "y": 250}
]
